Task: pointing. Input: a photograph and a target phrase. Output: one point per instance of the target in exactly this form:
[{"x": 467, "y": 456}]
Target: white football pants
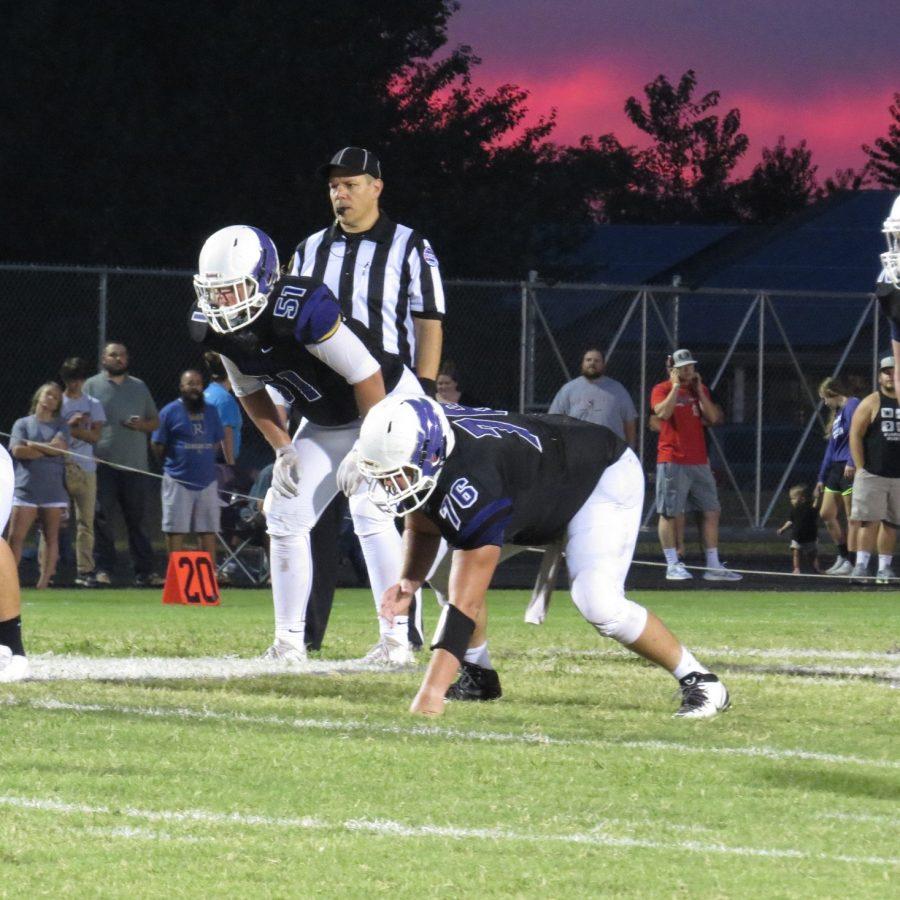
[
  {"x": 290, "y": 520},
  {"x": 7, "y": 486},
  {"x": 599, "y": 546}
]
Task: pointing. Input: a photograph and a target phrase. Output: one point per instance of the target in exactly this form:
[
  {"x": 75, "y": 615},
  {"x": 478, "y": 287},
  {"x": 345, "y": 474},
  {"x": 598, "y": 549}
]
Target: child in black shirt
[{"x": 804, "y": 524}]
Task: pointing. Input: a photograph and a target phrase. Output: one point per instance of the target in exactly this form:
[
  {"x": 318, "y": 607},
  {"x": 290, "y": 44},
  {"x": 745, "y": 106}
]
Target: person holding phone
[{"x": 685, "y": 408}]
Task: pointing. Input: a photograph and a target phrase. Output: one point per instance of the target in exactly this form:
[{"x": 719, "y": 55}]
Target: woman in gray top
[{"x": 37, "y": 443}]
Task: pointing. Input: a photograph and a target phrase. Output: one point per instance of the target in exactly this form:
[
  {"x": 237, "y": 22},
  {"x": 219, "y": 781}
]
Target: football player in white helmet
[
  {"x": 481, "y": 478},
  {"x": 888, "y": 288},
  {"x": 13, "y": 662},
  {"x": 288, "y": 332}
]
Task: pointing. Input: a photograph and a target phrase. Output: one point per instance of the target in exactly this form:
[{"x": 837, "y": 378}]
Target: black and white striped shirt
[{"x": 383, "y": 278}]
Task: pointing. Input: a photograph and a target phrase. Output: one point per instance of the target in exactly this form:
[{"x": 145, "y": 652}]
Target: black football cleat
[
  {"x": 475, "y": 683},
  {"x": 702, "y": 696}
]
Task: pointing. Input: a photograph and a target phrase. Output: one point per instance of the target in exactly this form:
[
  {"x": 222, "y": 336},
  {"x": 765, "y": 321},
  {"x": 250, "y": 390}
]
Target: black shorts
[{"x": 835, "y": 481}]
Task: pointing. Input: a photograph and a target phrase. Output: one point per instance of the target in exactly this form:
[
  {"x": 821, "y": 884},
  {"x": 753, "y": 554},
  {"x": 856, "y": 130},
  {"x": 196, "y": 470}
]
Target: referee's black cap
[{"x": 352, "y": 161}]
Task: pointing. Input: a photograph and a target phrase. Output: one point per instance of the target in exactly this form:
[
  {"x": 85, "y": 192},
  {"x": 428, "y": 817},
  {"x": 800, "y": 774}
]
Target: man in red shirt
[{"x": 685, "y": 408}]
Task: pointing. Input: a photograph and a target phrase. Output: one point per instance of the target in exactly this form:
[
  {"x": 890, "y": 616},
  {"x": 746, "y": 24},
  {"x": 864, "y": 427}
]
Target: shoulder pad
[
  {"x": 198, "y": 325},
  {"x": 302, "y": 308}
]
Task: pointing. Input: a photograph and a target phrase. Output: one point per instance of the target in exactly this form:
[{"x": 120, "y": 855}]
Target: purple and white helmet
[
  {"x": 403, "y": 445},
  {"x": 890, "y": 261},
  {"x": 238, "y": 267}
]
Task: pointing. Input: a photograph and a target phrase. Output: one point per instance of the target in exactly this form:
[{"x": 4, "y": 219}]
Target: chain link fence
[{"x": 514, "y": 344}]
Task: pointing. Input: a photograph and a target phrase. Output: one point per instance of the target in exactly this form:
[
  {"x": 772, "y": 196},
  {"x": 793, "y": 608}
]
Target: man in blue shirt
[
  {"x": 187, "y": 440},
  {"x": 218, "y": 394}
]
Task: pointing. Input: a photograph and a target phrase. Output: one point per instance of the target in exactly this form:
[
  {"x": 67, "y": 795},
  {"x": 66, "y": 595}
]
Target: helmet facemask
[
  {"x": 229, "y": 304},
  {"x": 890, "y": 260}
]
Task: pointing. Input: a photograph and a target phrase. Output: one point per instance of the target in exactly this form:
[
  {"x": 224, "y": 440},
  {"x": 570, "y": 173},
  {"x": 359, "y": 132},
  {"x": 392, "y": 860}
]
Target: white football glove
[
  {"x": 349, "y": 478},
  {"x": 286, "y": 471}
]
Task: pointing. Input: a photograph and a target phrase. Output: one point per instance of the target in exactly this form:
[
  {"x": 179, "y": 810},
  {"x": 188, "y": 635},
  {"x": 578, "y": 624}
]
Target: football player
[
  {"x": 482, "y": 478},
  {"x": 13, "y": 662},
  {"x": 888, "y": 288},
  {"x": 288, "y": 332}
]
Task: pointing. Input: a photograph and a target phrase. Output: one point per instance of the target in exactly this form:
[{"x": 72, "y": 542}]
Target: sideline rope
[{"x": 121, "y": 468}]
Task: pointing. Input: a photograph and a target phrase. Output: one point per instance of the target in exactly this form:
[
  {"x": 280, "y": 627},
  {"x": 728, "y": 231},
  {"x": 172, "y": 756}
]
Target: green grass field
[{"x": 578, "y": 783}]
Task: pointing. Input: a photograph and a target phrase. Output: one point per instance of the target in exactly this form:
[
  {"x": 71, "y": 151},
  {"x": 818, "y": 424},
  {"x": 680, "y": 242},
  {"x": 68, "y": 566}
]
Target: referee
[{"x": 386, "y": 276}]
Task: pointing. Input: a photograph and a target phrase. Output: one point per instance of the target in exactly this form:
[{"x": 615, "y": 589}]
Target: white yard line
[
  {"x": 781, "y": 653},
  {"x": 444, "y": 732},
  {"x": 392, "y": 829},
  {"x": 50, "y": 667}
]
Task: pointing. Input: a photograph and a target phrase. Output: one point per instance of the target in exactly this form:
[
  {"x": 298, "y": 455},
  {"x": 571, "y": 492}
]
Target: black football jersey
[
  {"x": 272, "y": 348},
  {"x": 515, "y": 478}
]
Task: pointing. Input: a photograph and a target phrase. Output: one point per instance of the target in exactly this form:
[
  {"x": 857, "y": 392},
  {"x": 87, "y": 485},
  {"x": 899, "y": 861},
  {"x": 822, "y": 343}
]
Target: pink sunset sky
[{"x": 823, "y": 71}]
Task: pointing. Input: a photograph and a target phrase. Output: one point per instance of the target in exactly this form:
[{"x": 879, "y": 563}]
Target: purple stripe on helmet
[
  {"x": 430, "y": 451},
  {"x": 266, "y": 270}
]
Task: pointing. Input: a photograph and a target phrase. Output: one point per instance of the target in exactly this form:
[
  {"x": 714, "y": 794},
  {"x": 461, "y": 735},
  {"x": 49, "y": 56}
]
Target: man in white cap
[{"x": 685, "y": 408}]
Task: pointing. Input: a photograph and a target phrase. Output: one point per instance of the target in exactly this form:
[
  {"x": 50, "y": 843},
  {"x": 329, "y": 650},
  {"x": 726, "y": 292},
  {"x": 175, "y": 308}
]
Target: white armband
[
  {"x": 346, "y": 354},
  {"x": 241, "y": 384}
]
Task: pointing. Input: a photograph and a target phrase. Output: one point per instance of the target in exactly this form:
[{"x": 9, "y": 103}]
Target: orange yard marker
[{"x": 191, "y": 579}]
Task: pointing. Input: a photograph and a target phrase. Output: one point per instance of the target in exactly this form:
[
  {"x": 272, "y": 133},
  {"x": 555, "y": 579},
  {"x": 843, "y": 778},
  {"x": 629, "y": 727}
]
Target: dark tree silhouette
[
  {"x": 683, "y": 176},
  {"x": 884, "y": 155},
  {"x": 782, "y": 184}
]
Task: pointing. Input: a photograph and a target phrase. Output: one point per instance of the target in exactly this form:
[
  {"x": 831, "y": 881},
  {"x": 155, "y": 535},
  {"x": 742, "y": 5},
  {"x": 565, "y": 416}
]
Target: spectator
[
  {"x": 131, "y": 416},
  {"x": 685, "y": 407},
  {"x": 189, "y": 435},
  {"x": 37, "y": 444},
  {"x": 875, "y": 446},
  {"x": 85, "y": 417},
  {"x": 836, "y": 473},
  {"x": 804, "y": 524},
  {"x": 218, "y": 394},
  {"x": 595, "y": 397},
  {"x": 448, "y": 387}
]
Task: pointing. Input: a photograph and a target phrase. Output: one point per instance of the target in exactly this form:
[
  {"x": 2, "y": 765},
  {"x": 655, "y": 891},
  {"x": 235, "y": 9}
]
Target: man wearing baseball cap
[
  {"x": 385, "y": 275},
  {"x": 684, "y": 407},
  {"x": 875, "y": 446}
]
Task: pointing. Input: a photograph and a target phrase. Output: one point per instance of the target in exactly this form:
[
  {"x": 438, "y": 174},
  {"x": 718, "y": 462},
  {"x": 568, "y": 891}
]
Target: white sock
[
  {"x": 862, "y": 558},
  {"x": 712, "y": 558},
  {"x": 884, "y": 560},
  {"x": 291, "y": 565},
  {"x": 479, "y": 656},
  {"x": 671, "y": 555},
  {"x": 688, "y": 664},
  {"x": 398, "y": 631}
]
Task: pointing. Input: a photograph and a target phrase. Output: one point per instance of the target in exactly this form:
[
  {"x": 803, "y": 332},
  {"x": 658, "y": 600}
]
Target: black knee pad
[{"x": 453, "y": 632}]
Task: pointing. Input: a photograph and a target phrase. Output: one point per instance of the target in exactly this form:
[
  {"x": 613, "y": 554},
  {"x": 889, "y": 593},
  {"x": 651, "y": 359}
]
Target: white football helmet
[
  {"x": 403, "y": 445},
  {"x": 890, "y": 261},
  {"x": 237, "y": 269}
]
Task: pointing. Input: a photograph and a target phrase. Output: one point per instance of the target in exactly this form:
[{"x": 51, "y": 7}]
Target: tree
[
  {"x": 130, "y": 137},
  {"x": 684, "y": 175},
  {"x": 782, "y": 184},
  {"x": 496, "y": 197},
  {"x": 884, "y": 156}
]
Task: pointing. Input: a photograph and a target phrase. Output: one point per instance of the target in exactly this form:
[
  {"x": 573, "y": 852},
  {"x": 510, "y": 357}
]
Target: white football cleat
[
  {"x": 838, "y": 566},
  {"x": 721, "y": 574},
  {"x": 677, "y": 572},
  {"x": 285, "y": 652},
  {"x": 390, "y": 653},
  {"x": 702, "y": 696},
  {"x": 13, "y": 668}
]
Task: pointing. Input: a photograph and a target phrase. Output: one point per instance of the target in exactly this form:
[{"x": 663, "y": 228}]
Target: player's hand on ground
[
  {"x": 349, "y": 477},
  {"x": 428, "y": 702},
  {"x": 286, "y": 471},
  {"x": 395, "y": 601}
]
